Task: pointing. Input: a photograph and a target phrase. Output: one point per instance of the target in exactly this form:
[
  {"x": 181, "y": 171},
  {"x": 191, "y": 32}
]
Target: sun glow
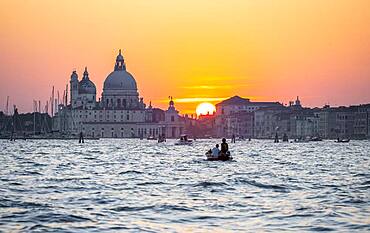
[{"x": 205, "y": 108}]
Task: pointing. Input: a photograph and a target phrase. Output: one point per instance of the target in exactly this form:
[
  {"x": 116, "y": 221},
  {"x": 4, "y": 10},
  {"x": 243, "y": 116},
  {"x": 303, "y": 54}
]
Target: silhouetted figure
[
  {"x": 81, "y": 140},
  {"x": 233, "y": 139},
  {"x": 249, "y": 139},
  {"x": 215, "y": 151},
  {"x": 161, "y": 138},
  {"x": 224, "y": 146},
  {"x": 276, "y": 138},
  {"x": 285, "y": 138}
]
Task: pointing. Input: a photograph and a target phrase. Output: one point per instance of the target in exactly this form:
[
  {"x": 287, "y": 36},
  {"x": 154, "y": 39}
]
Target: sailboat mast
[
  {"x": 66, "y": 95},
  {"x": 34, "y": 116},
  {"x": 52, "y": 102},
  {"x": 47, "y": 107},
  {"x": 7, "y": 106},
  {"x": 55, "y": 106}
]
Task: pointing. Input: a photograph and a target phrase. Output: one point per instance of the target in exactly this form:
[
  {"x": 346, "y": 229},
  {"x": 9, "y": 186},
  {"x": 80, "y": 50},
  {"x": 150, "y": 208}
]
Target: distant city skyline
[{"x": 195, "y": 51}]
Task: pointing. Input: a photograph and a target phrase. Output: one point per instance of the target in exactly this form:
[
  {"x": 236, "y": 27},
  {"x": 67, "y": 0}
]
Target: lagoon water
[{"x": 116, "y": 185}]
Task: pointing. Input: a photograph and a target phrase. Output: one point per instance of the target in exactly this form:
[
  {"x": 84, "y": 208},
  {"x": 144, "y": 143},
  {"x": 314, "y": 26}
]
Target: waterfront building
[
  {"x": 325, "y": 121},
  {"x": 120, "y": 113},
  {"x": 286, "y": 123},
  {"x": 205, "y": 125},
  {"x": 361, "y": 124},
  {"x": 241, "y": 117},
  {"x": 237, "y": 104},
  {"x": 235, "y": 116},
  {"x": 240, "y": 124},
  {"x": 268, "y": 121},
  {"x": 294, "y": 121},
  {"x": 342, "y": 122},
  {"x": 305, "y": 127}
]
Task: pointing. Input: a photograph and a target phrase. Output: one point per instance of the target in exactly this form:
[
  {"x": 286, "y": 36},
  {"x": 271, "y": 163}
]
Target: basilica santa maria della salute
[{"x": 119, "y": 113}]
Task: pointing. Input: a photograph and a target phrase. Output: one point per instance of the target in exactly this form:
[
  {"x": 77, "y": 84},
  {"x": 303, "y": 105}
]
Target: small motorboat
[
  {"x": 343, "y": 140},
  {"x": 302, "y": 140},
  {"x": 316, "y": 139},
  {"x": 184, "y": 141},
  {"x": 151, "y": 138},
  {"x": 221, "y": 157},
  {"x": 241, "y": 138}
]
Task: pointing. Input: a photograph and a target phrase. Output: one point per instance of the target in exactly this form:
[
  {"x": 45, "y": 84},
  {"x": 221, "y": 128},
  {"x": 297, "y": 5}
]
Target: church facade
[{"x": 119, "y": 113}]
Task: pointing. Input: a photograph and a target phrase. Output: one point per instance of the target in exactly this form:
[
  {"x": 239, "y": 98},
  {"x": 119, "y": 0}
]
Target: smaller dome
[{"x": 86, "y": 86}]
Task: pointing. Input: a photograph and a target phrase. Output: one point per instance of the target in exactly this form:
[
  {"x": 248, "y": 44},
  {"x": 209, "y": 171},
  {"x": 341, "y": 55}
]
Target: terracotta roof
[{"x": 235, "y": 100}]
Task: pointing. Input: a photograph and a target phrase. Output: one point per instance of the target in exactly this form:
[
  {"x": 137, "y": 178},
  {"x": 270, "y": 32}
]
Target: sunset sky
[{"x": 193, "y": 50}]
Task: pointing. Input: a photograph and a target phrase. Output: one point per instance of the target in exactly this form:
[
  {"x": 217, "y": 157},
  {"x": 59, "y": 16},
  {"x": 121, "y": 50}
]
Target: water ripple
[{"x": 141, "y": 186}]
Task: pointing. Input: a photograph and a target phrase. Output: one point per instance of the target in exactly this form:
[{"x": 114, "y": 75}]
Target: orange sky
[{"x": 270, "y": 50}]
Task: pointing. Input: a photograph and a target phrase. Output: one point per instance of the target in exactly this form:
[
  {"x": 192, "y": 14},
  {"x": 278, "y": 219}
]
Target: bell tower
[{"x": 74, "y": 89}]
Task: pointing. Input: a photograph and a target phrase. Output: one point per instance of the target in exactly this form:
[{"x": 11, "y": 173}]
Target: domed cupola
[
  {"x": 120, "y": 89},
  {"x": 86, "y": 86},
  {"x": 120, "y": 62},
  {"x": 120, "y": 79}
]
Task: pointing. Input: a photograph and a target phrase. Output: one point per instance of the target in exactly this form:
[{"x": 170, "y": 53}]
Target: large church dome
[
  {"x": 120, "y": 79},
  {"x": 120, "y": 90}
]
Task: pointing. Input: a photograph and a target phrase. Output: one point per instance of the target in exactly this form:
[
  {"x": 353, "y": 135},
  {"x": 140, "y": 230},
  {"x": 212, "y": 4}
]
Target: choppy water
[{"x": 137, "y": 186}]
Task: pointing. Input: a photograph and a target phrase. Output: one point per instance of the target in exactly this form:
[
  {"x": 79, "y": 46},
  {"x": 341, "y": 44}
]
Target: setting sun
[{"x": 205, "y": 108}]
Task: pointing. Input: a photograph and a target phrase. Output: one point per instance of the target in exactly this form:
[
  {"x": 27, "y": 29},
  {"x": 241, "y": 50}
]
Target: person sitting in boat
[
  {"x": 215, "y": 151},
  {"x": 224, "y": 146}
]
